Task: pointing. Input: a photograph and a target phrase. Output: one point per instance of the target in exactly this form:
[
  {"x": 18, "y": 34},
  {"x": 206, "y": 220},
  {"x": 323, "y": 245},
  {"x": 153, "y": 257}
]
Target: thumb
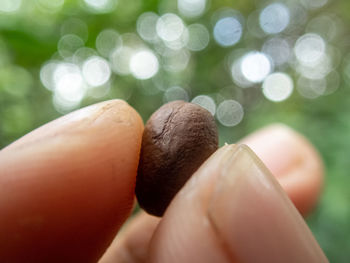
[
  {"x": 67, "y": 187},
  {"x": 233, "y": 210}
]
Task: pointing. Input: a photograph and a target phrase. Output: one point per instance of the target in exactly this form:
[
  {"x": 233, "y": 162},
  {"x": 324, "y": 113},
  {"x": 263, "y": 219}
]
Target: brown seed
[{"x": 177, "y": 139}]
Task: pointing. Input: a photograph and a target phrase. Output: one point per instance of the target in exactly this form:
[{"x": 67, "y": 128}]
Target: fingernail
[
  {"x": 253, "y": 217},
  {"x": 217, "y": 160},
  {"x": 221, "y": 156}
]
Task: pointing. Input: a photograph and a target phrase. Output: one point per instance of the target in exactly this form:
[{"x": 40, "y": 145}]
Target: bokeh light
[
  {"x": 50, "y": 6},
  {"x": 324, "y": 25},
  {"x": 107, "y": 41},
  {"x": 311, "y": 88},
  {"x": 172, "y": 30},
  {"x": 146, "y": 26},
  {"x": 76, "y": 27},
  {"x": 69, "y": 89},
  {"x": 47, "y": 74},
  {"x": 175, "y": 93},
  {"x": 10, "y": 6},
  {"x": 191, "y": 8},
  {"x": 198, "y": 37},
  {"x": 176, "y": 60},
  {"x": 144, "y": 64},
  {"x": 298, "y": 17},
  {"x": 333, "y": 82},
  {"x": 277, "y": 86},
  {"x": 120, "y": 60},
  {"x": 170, "y": 27},
  {"x": 96, "y": 71},
  {"x": 236, "y": 72},
  {"x": 253, "y": 25},
  {"x": 62, "y": 69},
  {"x": 206, "y": 102},
  {"x": 82, "y": 54},
  {"x": 228, "y": 31},
  {"x": 278, "y": 49},
  {"x": 66, "y": 82},
  {"x": 274, "y": 18},
  {"x": 256, "y": 66},
  {"x": 314, "y": 4},
  {"x": 68, "y": 44},
  {"x": 100, "y": 6},
  {"x": 317, "y": 71},
  {"x": 309, "y": 49},
  {"x": 99, "y": 92},
  {"x": 229, "y": 113}
]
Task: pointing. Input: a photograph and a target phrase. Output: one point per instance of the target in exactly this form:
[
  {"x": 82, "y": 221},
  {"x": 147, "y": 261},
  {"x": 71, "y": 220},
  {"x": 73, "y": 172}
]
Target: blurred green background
[{"x": 250, "y": 63}]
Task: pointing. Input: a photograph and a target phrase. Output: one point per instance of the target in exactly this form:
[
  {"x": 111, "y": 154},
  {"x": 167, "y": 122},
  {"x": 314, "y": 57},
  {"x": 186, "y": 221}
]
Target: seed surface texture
[{"x": 177, "y": 139}]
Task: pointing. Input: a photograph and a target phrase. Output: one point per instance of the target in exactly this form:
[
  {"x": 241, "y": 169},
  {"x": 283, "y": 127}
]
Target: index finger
[{"x": 67, "y": 187}]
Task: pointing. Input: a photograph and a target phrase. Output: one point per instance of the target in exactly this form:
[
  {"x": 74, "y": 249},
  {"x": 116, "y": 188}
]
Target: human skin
[{"x": 68, "y": 187}]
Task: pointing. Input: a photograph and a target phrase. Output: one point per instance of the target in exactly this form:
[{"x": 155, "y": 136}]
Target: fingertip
[
  {"x": 253, "y": 217},
  {"x": 233, "y": 210},
  {"x": 69, "y": 185}
]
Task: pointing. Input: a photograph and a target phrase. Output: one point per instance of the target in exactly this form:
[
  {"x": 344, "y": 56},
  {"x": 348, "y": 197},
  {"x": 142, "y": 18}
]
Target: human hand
[{"x": 67, "y": 188}]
